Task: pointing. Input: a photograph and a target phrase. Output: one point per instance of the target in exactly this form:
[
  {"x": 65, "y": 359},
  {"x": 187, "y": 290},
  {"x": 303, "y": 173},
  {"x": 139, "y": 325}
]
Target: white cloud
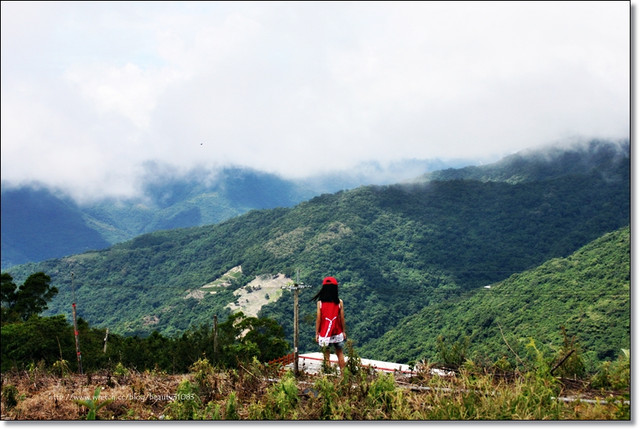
[
  {"x": 128, "y": 90},
  {"x": 92, "y": 91}
]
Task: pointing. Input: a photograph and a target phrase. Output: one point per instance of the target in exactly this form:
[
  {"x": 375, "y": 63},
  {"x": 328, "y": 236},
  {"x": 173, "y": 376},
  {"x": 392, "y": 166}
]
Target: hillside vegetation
[
  {"x": 395, "y": 250},
  {"x": 39, "y": 223},
  {"x": 549, "y": 162},
  {"x": 587, "y": 294}
]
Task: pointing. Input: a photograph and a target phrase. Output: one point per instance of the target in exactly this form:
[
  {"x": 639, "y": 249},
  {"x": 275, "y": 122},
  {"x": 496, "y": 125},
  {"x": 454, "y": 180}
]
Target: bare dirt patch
[
  {"x": 224, "y": 281},
  {"x": 262, "y": 290}
]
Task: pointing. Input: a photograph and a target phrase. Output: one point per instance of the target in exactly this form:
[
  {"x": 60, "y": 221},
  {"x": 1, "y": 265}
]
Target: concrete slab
[{"x": 311, "y": 362}]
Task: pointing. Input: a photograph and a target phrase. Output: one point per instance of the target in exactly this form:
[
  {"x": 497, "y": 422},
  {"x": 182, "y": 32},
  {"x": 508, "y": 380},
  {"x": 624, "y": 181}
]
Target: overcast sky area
[{"x": 91, "y": 92}]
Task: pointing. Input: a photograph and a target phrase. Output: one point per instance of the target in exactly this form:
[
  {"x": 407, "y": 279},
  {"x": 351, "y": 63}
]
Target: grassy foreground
[{"x": 259, "y": 392}]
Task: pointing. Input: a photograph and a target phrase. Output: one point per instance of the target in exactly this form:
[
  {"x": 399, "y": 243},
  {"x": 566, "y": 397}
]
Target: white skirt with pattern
[{"x": 326, "y": 341}]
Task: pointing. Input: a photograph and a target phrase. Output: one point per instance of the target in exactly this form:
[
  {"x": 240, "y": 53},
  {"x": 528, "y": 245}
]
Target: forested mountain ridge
[
  {"x": 586, "y": 293},
  {"x": 39, "y": 223},
  {"x": 544, "y": 163},
  {"x": 395, "y": 250}
]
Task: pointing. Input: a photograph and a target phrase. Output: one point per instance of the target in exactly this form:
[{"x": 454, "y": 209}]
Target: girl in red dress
[{"x": 330, "y": 324}]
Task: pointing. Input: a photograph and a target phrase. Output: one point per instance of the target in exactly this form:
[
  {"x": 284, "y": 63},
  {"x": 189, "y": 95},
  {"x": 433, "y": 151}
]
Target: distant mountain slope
[
  {"x": 544, "y": 163},
  {"x": 588, "y": 293},
  {"x": 395, "y": 249},
  {"x": 201, "y": 197},
  {"x": 37, "y": 225},
  {"x": 169, "y": 200},
  {"x": 195, "y": 199}
]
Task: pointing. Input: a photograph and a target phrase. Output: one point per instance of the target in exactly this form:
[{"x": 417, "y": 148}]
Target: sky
[{"x": 95, "y": 92}]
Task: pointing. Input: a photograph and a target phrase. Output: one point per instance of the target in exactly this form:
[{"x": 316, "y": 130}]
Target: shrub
[
  {"x": 186, "y": 405},
  {"x": 573, "y": 365},
  {"x": 9, "y": 396},
  {"x": 61, "y": 367},
  {"x": 212, "y": 412},
  {"x": 616, "y": 375},
  {"x": 380, "y": 394},
  {"x": 279, "y": 402},
  {"x": 328, "y": 397},
  {"x": 203, "y": 373},
  {"x": 231, "y": 409},
  {"x": 94, "y": 405},
  {"x": 120, "y": 370},
  {"x": 354, "y": 363},
  {"x": 454, "y": 354}
]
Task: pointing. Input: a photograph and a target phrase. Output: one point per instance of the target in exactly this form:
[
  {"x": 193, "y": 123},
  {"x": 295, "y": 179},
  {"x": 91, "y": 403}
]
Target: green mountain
[
  {"x": 395, "y": 250},
  {"x": 200, "y": 197},
  {"x": 587, "y": 293},
  {"x": 543, "y": 163},
  {"x": 39, "y": 223}
]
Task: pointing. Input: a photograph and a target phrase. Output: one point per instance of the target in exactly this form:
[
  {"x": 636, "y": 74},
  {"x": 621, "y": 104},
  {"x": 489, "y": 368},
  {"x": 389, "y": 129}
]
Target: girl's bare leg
[{"x": 340, "y": 358}]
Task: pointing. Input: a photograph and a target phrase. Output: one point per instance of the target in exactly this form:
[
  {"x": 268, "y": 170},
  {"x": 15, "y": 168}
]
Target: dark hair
[{"x": 328, "y": 293}]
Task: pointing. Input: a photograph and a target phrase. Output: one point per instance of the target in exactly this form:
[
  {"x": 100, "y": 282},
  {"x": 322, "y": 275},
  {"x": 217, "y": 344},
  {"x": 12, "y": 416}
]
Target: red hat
[{"x": 330, "y": 280}]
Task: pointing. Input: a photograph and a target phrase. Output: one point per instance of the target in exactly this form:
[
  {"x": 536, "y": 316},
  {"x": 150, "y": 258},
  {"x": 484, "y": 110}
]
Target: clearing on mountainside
[{"x": 257, "y": 293}]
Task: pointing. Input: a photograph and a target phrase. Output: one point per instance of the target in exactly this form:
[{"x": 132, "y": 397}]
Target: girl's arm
[
  {"x": 318, "y": 319},
  {"x": 344, "y": 323}
]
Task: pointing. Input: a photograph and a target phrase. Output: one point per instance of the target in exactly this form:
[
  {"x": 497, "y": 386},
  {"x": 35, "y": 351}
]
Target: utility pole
[
  {"x": 104, "y": 341},
  {"x": 215, "y": 339},
  {"x": 75, "y": 325},
  {"x": 295, "y": 288}
]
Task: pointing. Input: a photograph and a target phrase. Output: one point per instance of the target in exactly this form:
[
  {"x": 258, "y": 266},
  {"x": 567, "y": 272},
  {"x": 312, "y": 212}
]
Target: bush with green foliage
[
  {"x": 30, "y": 298},
  {"x": 186, "y": 405},
  {"x": 50, "y": 341},
  {"x": 614, "y": 375},
  {"x": 453, "y": 354},
  {"x": 279, "y": 402},
  {"x": 93, "y": 404},
  {"x": 10, "y": 396}
]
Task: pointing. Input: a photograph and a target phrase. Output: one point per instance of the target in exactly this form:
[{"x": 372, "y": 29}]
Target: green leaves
[
  {"x": 48, "y": 339},
  {"x": 94, "y": 404},
  {"x": 28, "y": 299}
]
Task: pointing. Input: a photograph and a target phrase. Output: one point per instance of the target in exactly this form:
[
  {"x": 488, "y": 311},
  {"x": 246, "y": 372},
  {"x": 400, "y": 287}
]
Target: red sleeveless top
[{"x": 330, "y": 323}]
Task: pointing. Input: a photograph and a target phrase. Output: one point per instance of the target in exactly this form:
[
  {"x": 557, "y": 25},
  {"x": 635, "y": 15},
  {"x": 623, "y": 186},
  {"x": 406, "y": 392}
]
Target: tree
[
  {"x": 39, "y": 338},
  {"x": 267, "y": 335},
  {"x": 29, "y": 299},
  {"x": 241, "y": 338},
  {"x": 7, "y": 296}
]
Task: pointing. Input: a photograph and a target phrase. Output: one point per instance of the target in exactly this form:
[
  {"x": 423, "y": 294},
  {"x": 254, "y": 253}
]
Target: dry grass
[
  {"x": 258, "y": 392},
  {"x": 137, "y": 396}
]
